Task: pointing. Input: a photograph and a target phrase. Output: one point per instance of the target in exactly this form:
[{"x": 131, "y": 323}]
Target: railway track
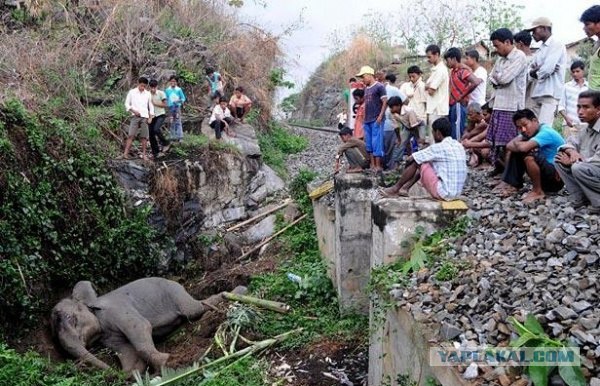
[{"x": 324, "y": 129}]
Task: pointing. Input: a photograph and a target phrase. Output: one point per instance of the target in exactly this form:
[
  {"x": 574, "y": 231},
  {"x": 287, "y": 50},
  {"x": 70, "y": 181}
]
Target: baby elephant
[{"x": 126, "y": 320}]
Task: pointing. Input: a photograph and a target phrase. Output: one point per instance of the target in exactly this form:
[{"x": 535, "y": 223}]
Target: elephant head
[{"x": 75, "y": 325}]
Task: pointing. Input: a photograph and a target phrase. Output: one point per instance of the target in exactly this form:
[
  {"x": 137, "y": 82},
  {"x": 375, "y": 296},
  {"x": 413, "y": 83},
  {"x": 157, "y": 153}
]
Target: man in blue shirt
[
  {"x": 531, "y": 152},
  {"x": 375, "y": 105}
]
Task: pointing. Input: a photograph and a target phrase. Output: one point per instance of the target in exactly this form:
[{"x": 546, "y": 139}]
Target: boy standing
[
  {"x": 139, "y": 103},
  {"x": 175, "y": 100},
  {"x": 437, "y": 86},
  {"x": 375, "y": 105},
  {"x": 159, "y": 100},
  {"x": 358, "y": 109},
  {"x": 567, "y": 107},
  {"x": 414, "y": 90},
  {"x": 462, "y": 83}
]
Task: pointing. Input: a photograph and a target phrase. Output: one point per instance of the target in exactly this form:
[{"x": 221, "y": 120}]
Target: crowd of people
[
  {"x": 150, "y": 107},
  {"x": 461, "y": 116}
]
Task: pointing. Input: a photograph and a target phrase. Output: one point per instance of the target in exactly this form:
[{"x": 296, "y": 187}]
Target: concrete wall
[
  {"x": 400, "y": 345},
  {"x": 324, "y": 213},
  {"x": 354, "y": 194}
]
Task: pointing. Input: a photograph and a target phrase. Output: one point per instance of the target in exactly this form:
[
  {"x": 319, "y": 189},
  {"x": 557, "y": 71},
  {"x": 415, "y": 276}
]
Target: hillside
[{"x": 67, "y": 67}]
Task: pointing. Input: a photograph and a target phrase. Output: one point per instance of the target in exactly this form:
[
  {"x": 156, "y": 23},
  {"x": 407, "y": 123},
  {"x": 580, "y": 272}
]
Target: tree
[{"x": 452, "y": 22}]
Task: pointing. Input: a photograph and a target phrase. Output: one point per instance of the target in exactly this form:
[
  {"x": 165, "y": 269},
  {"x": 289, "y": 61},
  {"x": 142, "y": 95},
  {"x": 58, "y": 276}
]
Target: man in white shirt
[
  {"x": 567, "y": 107},
  {"x": 139, "y": 104},
  {"x": 414, "y": 90},
  {"x": 548, "y": 67},
  {"x": 437, "y": 88},
  {"x": 472, "y": 61}
]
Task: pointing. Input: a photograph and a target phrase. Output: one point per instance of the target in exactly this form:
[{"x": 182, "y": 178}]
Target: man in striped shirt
[
  {"x": 441, "y": 167},
  {"x": 462, "y": 83}
]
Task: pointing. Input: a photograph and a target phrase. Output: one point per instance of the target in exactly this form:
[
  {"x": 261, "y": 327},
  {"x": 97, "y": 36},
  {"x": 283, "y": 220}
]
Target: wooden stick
[
  {"x": 246, "y": 222},
  {"x": 272, "y": 237},
  {"x": 282, "y": 308}
]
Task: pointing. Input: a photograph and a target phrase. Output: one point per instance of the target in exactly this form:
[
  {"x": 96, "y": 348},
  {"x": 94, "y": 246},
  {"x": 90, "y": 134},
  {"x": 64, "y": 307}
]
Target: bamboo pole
[
  {"x": 268, "y": 304},
  {"x": 272, "y": 237},
  {"x": 246, "y": 222}
]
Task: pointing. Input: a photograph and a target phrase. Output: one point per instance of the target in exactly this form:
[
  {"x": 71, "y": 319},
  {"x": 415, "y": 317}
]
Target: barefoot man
[{"x": 441, "y": 167}]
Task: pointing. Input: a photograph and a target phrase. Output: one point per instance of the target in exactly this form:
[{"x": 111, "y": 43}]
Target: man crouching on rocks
[
  {"x": 531, "y": 153},
  {"x": 578, "y": 162},
  {"x": 355, "y": 151},
  {"x": 441, "y": 167}
]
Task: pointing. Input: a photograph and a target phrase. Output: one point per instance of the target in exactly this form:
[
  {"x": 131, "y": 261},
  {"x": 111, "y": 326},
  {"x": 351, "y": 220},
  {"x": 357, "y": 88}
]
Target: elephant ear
[{"x": 84, "y": 292}]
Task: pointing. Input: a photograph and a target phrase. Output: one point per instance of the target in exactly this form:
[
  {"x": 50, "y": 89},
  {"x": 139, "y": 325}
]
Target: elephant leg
[
  {"x": 130, "y": 359},
  {"x": 139, "y": 332}
]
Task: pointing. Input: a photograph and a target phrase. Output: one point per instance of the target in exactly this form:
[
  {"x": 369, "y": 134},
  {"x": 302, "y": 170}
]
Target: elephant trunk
[{"x": 75, "y": 347}]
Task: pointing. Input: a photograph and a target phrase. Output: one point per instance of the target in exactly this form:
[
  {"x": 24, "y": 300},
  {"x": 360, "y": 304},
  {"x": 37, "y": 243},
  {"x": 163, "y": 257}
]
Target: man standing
[
  {"x": 375, "y": 105},
  {"x": 508, "y": 80},
  {"x": 591, "y": 26},
  {"x": 523, "y": 43},
  {"x": 578, "y": 162},
  {"x": 441, "y": 167},
  {"x": 215, "y": 84},
  {"x": 531, "y": 153},
  {"x": 390, "y": 87},
  {"x": 414, "y": 90},
  {"x": 390, "y": 127},
  {"x": 159, "y": 100},
  {"x": 462, "y": 83},
  {"x": 472, "y": 61},
  {"x": 436, "y": 86},
  {"x": 139, "y": 104},
  {"x": 567, "y": 107},
  {"x": 548, "y": 67},
  {"x": 175, "y": 100}
]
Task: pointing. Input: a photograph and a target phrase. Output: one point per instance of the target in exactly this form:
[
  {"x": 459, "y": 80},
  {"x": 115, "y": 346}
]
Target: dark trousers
[
  {"x": 356, "y": 158},
  {"x": 389, "y": 145},
  {"x": 515, "y": 170},
  {"x": 218, "y": 126},
  {"x": 155, "y": 133}
]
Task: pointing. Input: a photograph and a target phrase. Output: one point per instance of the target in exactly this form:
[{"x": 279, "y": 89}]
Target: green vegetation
[
  {"x": 313, "y": 301},
  {"x": 32, "y": 369},
  {"x": 425, "y": 251},
  {"x": 276, "y": 143},
  {"x": 62, "y": 217},
  {"x": 531, "y": 334}
]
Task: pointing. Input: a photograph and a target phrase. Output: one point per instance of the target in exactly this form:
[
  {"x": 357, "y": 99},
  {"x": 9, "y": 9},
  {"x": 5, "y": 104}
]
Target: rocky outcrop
[{"x": 196, "y": 196}]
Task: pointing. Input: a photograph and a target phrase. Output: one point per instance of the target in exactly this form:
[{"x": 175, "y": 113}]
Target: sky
[{"x": 309, "y": 45}]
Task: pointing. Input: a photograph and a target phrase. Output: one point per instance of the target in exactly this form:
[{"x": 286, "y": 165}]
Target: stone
[
  {"x": 471, "y": 372},
  {"x": 291, "y": 212},
  {"x": 578, "y": 243},
  {"x": 554, "y": 262},
  {"x": 581, "y": 306},
  {"x": 583, "y": 337},
  {"x": 591, "y": 259},
  {"x": 520, "y": 382},
  {"x": 504, "y": 380},
  {"x": 261, "y": 230},
  {"x": 589, "y": 323},
  {"x": 556, "y": 236},
  {"x": 449, "y": 331},
  {"x": 569, "y": 228},
  {"x": 595, "y": 382},
  {"x": 563, "y": 313}
]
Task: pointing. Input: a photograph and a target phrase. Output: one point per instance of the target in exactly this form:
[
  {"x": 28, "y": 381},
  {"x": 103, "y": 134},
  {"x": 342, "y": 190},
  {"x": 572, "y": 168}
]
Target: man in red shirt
[{"x": 462, "y": 83}]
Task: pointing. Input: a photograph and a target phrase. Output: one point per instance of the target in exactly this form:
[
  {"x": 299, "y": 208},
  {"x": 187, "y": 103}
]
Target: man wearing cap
[
  {"x": 375, "y": 105},
  {"x": 548, "y": 67},
  {"x": 355, "y": 151}
]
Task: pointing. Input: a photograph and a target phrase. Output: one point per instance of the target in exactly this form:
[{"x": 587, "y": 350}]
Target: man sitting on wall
[{"x": 441, "y": 167}]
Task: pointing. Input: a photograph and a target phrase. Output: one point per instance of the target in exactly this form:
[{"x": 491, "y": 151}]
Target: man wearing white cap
[
  {"x": 548, "y": 67},
  {"x": 375, "y": 105}
]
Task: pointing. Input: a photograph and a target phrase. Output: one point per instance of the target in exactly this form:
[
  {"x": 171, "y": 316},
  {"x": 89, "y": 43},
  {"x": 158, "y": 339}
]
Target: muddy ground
[{"x": 323, "y": 363}]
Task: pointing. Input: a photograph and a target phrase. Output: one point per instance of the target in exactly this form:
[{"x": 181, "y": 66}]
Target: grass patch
[
  {"x": 276, "y": 143},
  {"x": 247, "y": 372},
  {"x": 313, "y": 301},
  {"x": 32, "y": 369}
]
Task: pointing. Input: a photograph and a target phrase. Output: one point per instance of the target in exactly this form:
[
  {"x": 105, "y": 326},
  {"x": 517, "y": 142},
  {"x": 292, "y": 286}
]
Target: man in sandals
[{"x": 441, "y": 167}]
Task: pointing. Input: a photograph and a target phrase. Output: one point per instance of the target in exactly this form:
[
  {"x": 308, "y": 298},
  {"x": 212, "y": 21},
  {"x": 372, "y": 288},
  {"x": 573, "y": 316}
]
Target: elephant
[{"x": 126, "y": 320}]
